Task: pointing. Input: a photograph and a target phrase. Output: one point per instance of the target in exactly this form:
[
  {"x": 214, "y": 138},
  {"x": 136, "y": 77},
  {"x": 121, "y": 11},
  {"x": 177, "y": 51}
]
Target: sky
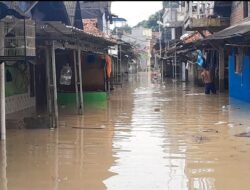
[{"x": 135, "y": 11}]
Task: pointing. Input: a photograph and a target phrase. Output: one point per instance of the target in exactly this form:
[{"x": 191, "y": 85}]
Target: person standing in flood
[{"x": 207, "y": 79}]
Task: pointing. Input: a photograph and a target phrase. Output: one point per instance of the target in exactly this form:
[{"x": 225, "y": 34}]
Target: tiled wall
[
  {"x": 19, "y": 102},
  {"x": 237, "y": 12}
]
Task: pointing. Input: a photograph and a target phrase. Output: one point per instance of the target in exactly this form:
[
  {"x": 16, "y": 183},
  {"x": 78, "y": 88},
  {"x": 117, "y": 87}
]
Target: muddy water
[{"x": 148, "y": 136}]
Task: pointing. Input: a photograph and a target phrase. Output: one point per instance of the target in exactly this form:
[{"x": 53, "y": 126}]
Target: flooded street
[{"x": 148, "y": 136}]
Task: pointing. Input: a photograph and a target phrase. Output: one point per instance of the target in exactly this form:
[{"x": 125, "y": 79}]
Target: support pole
[
  {"x": 172, "y": 61},
  {"x": 76, "y": 81},
  {"x": 160, "y": 61},
  {"x": 80, "y": 78},
  {"x": 175, "y": 71},
  {"x": 2, "y": 98},
  {"x": 121, "y": 70},
  {"x": 162, "y": 71},
  {"x": 221, "y": 69},
  {"x": 54, "y": 83},
  {"x": 3, "y": 162},
  {"x": 48, "y": 78},
  {"x": 155, "y": 61},
  {"x": 2, "y": 86}
]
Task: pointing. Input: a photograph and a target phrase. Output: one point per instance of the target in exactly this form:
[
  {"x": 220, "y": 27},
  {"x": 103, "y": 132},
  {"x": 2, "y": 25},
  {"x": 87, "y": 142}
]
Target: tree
[{"x": 152, "y": 21}]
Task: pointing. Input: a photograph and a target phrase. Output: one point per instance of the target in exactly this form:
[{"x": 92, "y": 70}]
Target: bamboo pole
[{"x": 48, "y": 78}]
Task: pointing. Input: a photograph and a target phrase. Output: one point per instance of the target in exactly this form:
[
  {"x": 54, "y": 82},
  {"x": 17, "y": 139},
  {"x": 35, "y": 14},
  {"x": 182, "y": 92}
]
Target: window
[
  {"x": 238, "y": 60},
  {"x": 194, "y": 8},
  {"x": 245, "y": 9}
]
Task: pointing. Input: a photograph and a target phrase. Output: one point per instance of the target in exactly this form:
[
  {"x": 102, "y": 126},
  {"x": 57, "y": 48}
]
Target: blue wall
[{"x": 239, "y": 85}]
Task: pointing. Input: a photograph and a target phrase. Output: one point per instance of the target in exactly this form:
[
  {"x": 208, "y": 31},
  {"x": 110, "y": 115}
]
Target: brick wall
[{"x": 237, "y": 12}]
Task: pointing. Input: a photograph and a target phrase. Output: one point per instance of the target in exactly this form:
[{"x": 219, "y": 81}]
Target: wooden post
[
  {"x": 221, "y": 70},
  {"x": 54, "y": 83},
  {"x": 80, "y": 78},
  {"x": 48, "y": 78},
  {"x": 76, "y": 81},
  {"x": 2, "y": 86},
  {"x": 120, "y": 65}
]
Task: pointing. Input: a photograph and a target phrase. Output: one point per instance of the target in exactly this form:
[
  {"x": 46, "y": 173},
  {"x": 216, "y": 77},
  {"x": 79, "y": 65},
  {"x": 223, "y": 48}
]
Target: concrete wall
[
  {"x": 239, "y": 84},
  {"x": 142, "y": 37}
]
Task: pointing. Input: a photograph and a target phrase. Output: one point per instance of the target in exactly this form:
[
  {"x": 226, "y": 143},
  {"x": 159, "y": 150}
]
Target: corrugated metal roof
[
  {"x": 57, "y": 27},
  {"x": 70, "y": 8}
]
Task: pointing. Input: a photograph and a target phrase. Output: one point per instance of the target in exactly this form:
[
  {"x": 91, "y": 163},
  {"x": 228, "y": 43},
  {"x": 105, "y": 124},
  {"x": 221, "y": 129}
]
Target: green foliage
[{"x": 151, "y": 23}]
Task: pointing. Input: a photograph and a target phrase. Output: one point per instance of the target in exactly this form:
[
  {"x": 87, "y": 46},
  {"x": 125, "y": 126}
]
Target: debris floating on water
[
  {"x": 220, "y": 122},
  {"x": 243, "y": 135},
  {"x": 157, "y": 109}
]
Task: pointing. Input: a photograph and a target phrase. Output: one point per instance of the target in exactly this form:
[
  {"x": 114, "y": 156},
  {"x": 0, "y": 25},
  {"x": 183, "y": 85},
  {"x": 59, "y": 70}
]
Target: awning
[
  {"x": 7, "y": 11},
  {"x": 53, "y": 28},
  {"x": 233, "y": 31}
]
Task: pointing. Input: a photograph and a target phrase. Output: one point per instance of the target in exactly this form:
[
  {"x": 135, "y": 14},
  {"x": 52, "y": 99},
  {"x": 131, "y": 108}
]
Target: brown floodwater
[{"x": 148, "y": 136}]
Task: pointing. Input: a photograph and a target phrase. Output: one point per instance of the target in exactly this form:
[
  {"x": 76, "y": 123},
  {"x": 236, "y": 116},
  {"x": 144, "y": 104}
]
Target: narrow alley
[
  {"x": 124, "y": 95},
  {"x": 146, "y": 136}
]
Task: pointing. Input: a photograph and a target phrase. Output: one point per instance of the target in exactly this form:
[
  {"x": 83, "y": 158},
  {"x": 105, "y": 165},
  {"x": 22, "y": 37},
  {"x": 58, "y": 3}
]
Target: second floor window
[{"x": 245, "y": 9}]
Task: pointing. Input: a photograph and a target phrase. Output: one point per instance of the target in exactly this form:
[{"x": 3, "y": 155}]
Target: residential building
[
  {"x": 118, "y": 22},
  {"x": 226, "y": 48},
  {"x": 208, "y": 17},
  {"x": 173, "y": 20},
  {"x": 36, "y": 51},
  {"x": 100, "y": 10},
  {"x": 238, "y": 59},
  {"x": 141, "y": 38}
]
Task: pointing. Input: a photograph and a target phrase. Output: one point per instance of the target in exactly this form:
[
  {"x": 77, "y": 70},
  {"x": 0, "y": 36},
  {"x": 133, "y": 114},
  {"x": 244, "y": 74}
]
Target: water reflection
[
  {"x": 147, "y": 136},
  {"x": 3, "y": 155},
  {"x": 145, "y": 161},
  {"x": 239, "y": 119}
]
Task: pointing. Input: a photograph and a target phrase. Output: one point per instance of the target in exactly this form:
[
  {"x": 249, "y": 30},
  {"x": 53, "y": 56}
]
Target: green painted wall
[
  {"x": 16, "y": 80},
  {"x": 88, "y": 97}
]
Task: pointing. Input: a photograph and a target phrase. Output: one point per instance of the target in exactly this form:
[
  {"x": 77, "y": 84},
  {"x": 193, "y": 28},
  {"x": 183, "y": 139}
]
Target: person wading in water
[{"x": 209, "y": 85}]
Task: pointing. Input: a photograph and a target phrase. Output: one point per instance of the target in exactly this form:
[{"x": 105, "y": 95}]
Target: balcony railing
[{"x": 206, "y": 23}]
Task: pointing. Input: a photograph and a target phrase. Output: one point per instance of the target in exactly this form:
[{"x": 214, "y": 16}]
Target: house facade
[
  {"x": 35, "y": 51},
  {"x": 239, "y": 63},
  {"x": 100, "y": 10},
  {"x": 227, "y": 24},
  {"x": 141, "y": 38}
]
